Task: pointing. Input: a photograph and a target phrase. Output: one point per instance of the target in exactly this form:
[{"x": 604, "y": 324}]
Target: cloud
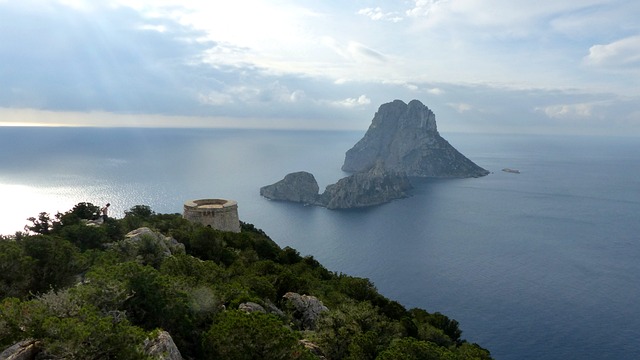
[
  {"x": 361, "y": 52},
  {"x": 65, "y": 59},
  {"x": 377, "y": 14},
  {"x": 621, "y": 53},
  {"x": 353, "y": 51},
  {"x": 492, "y": 65},
  {"x": 353, "y": 102},
  {"x": 215, "y": 98},
  {"x": 460, "y": 107},
  {"x": 563, "y": 111},
  {"x": 424, "y": 7}
]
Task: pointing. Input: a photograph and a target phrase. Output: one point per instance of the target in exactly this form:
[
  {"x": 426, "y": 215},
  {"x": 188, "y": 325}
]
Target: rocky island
[
  {"x": 401, "y": 142},
  {"x": 405, "y": 137},
  {"x": 374, "y": 187}
]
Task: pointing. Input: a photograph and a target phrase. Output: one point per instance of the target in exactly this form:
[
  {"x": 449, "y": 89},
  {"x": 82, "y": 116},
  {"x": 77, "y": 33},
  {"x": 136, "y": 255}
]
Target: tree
[
  {"x": 137, "y": 216},
  {"x": 412, "y": 349},
  {"x": 355, "y": 329},
  {"x": 42, "y": 225},
  {"x": 57, "y": 261},
  {"x": 239, "y": 335},
  {"x": 85, "y": 237},
  {"x": 16, "y": 270}
]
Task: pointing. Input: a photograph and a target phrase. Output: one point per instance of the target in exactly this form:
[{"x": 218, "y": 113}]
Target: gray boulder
[
  {"x": 24, "y": 350},
  {"x": 405, "y": 137},
  {"x": 162, "y": 347},
  {"x": 313, "y": 348},
  {"x": 307, "y": 309},
  {"x": 374, "y": 187},
  {"x": 167, "y": 244},
  {"x": 297, "y": 187},
  {"x": 250, "y": 307}
]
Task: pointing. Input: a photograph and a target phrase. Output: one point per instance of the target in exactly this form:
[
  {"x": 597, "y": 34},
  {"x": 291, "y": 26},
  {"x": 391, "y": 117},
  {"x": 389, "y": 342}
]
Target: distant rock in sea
[
  {"x": 405, "y": 137},
  {"x": 374, "y": 187},
  {"x": 299, "y": 187}
]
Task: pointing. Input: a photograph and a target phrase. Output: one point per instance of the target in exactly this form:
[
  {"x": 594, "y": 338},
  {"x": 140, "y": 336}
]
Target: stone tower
[{"x": 220, "y": 214}]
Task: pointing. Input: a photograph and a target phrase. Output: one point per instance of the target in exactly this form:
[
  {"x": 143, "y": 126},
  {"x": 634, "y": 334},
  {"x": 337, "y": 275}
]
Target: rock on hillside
[
  {"x": 405, "y": 137},
  {"x": 162, "y": 347},
  {"x": 297, "y": 187}
]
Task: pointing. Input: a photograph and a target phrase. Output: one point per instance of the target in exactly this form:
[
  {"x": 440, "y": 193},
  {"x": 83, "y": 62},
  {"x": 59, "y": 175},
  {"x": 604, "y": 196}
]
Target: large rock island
[
  {"x": 405, "y": 137},
  {"x": 402, "y": 141}
]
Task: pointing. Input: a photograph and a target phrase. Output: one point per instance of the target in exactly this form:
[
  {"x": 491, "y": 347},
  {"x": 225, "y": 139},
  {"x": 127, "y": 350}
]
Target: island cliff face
[
  {"x": 374, "y": 187},
  {"x": 405, "y": 137}
]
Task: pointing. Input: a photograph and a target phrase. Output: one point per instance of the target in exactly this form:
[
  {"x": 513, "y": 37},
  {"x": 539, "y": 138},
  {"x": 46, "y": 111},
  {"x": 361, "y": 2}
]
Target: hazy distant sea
[{"x": 538, "y": 265}]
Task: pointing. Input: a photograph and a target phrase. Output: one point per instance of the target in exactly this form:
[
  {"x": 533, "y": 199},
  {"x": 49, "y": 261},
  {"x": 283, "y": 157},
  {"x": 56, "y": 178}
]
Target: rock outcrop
[
  {"x": 297, "y": 187},
  {"x": 405, "y": 137},
  {"x": 168, "y": 245},
  {"x": 162, "y": 347},
  {"x": 23, "y": 350},
  {"x": 250, "y": 307},
  {"x": 374, "y": 187},
  {"x": 306, "y": 308}
]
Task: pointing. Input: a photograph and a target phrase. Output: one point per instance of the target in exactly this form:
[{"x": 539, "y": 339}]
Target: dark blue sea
[{"x": 538, "y": 265}]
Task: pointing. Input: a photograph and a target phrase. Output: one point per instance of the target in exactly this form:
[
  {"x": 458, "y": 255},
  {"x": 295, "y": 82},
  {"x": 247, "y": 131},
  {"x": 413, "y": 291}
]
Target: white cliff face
[{"x": 405, "y": 137}]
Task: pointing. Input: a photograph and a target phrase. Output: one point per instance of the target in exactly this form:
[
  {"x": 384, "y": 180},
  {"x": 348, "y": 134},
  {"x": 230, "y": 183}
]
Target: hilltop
[{"x": 158, "y": 286}]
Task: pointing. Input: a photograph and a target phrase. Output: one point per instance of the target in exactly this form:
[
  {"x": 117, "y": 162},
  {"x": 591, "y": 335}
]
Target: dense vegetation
[{"x": 83, "y": 293}]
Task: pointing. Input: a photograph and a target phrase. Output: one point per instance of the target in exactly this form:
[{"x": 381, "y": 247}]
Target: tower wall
[{"x": 220, "y": 214}]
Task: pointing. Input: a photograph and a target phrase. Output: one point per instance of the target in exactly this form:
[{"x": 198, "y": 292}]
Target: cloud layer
[{"x": 497, "y": 65}]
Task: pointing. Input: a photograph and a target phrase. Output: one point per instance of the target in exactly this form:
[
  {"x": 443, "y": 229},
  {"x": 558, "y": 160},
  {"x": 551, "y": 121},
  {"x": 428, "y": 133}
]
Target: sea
[{"x": 543, "y": 264}]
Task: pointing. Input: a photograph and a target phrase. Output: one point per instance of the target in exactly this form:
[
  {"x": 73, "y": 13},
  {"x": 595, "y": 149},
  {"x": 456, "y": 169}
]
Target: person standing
[{"x": 105, "y": 211}]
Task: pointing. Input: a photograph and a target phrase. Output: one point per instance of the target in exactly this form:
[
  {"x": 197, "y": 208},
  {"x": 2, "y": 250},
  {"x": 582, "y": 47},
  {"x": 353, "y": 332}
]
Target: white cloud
[
  {"x": 435, "y": 91},
  {"x": 424, "y": 7},
  {"x": 215, "y": 98},
  {"x": 353, "y": 102},
  {"x": 624, "y": 52},
  {"x": 377, "y": 14},
  {"x": 564, "y": 111},
  {"x": 460, "y": 107},
  {"x": 353, "y": 50},
  {"x": 363, "y": 53},
  {"x": 251, "y": 95},
  {"x": 149, "y": 27}
]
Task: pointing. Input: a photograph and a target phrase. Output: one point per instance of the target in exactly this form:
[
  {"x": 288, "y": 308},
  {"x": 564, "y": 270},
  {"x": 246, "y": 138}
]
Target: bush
[{"x": 239, "y": 335}]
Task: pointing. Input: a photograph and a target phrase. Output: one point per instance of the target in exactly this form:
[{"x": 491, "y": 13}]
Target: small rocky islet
[{"x": 401, "y": 142}]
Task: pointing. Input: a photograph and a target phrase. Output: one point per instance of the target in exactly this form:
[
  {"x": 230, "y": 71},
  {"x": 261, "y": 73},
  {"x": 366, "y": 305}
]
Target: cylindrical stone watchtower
[{"x": 220, "y": 214}]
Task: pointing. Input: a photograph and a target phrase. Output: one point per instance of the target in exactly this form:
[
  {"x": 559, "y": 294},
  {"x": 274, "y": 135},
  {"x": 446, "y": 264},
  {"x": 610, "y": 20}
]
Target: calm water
[{"x": 540, "y": 265}]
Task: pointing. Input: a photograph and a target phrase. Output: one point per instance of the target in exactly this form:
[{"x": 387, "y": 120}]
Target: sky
[{"x": 506, "y": 66}]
